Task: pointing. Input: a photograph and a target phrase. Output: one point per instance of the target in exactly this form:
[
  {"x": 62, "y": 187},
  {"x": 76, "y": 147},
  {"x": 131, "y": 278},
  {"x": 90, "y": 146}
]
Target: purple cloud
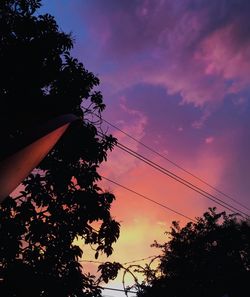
[{"x": 193, "y": 48}]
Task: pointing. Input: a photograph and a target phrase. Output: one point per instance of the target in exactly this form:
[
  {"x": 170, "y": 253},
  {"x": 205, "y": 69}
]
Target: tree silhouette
[
  {"x": 210, "y": 258},
  {"x": 60, "y": 200}
]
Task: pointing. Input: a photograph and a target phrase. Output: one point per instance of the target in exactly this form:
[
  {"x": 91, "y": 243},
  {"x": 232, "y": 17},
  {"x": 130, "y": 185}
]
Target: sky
[{"x": 176, "y": 76}]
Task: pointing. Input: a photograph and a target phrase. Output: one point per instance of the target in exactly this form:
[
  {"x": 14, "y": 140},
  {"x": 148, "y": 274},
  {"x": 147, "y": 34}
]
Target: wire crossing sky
[
  {"x": 149, "y": 199},
  {"x": 182, "y": 181},
  {"x": 174, "y": 163},
  {"x": 177, "y": 178}
]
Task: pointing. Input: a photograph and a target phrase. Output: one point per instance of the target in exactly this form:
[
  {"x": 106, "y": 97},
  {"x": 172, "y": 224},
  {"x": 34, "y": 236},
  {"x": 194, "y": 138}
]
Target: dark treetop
[
  {"x": 60, "y": 200},
  {"x": 210, "y": 258}
]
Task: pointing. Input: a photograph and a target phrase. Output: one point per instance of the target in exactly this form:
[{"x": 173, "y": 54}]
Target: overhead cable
[
  {"x": 118, "y": 290},
  {"x": 174, "y": 163},
  {"x": 182, "y": 180},
  {"x": 147, "y": 198}
]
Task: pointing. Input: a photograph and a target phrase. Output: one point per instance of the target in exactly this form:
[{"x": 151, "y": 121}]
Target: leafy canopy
[
  {"x": 209, "y": 258},
  {"x": 60, "y": 200}
]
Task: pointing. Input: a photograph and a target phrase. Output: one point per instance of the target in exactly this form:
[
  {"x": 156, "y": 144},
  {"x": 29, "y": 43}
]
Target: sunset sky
[{"x": 176, "y": 76}]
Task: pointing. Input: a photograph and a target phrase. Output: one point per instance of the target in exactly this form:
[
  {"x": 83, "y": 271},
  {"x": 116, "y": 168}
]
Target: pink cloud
[
  {"x": 209, "y": 140},
  {"x": 223, "y": 57},
  {"x": 189, "y": 51},
  {"x": 135, "y": 125}
]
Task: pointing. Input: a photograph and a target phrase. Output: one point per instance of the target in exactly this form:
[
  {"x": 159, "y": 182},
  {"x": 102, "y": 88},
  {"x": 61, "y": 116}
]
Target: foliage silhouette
[
  {"x": 60, "y": 200},
  {"x": 209, "y": 258}
]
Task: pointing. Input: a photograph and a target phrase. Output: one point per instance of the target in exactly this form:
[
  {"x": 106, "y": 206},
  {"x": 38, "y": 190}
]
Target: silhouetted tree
[
  {"x": 60, "y": 200},
  {"x": 209, "y": 258}
]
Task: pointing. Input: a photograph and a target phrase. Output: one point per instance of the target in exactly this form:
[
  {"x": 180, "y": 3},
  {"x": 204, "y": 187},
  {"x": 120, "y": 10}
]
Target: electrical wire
[
  {"x": 140, "y": 260},
  {"x": 181, "y": 180},
  {"x": 125, "y": 263},
  {"x": 147, "y": 198},
  {"x": 118, "y": 290},
  {"x": 92, "y": 261},
  {"x": 174, "y": 163},
  {"x": 178, "y": 178}
]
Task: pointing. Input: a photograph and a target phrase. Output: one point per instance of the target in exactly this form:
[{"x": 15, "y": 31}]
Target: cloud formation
[{"x": 198, "y": 49}]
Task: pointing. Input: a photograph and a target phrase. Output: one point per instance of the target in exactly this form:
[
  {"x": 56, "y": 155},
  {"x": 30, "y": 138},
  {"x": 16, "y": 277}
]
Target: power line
[
  {"x": 125, "y": 263},
  {"x": 92, "y": 261},
  {"x": 118, "y": 290},
  {"x": 173, "y": 175},
  {"x": 147, "y": 198},
  {"x": 140, "y": 260},
  {"x": 174, "y": 163},
  {"x": 180, "y": 180}
]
